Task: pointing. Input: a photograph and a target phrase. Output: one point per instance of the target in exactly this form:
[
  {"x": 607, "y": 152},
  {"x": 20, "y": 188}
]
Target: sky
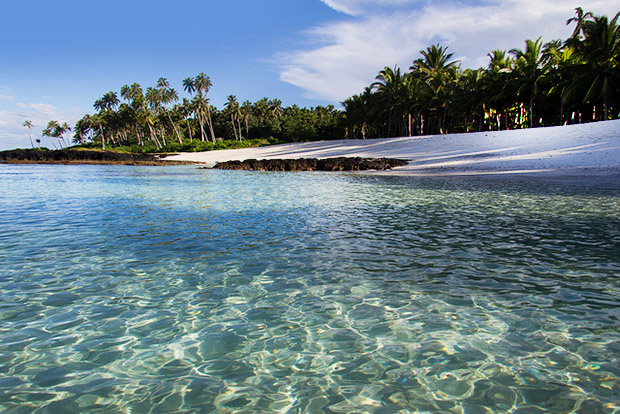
[{"x": 58, "y": 57}]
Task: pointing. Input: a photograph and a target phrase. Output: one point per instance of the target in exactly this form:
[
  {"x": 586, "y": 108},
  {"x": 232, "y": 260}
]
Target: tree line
[
  {"x": 555, "y": 83},
  {"x": 156, "y": 119}
]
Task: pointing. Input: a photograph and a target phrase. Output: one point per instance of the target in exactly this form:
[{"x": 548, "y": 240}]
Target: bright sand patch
[{"x": 574, "y": 150}]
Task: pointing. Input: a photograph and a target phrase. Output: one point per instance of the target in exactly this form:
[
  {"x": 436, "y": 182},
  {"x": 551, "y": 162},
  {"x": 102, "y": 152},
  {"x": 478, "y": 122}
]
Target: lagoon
[{"x": 174, "y": 289}]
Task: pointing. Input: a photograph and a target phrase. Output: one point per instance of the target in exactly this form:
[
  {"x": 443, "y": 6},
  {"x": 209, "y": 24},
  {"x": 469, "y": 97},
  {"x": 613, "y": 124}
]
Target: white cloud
[
  {"x": 357, "y": 7},
  {"x": 345, "y": 56},
  {"x": 6, "y": 98},
  {"x": 13, "y": 134}
]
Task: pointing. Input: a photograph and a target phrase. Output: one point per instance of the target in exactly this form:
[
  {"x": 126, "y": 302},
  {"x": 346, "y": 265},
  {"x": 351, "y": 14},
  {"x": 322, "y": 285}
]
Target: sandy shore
[{"x": 586, "y": 150}]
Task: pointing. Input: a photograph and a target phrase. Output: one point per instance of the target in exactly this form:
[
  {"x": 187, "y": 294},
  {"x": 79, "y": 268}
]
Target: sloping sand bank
[{"x": 574, "y": 150}]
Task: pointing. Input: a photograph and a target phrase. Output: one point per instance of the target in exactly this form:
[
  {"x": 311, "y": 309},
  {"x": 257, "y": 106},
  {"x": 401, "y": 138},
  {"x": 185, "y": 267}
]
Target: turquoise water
[{"x": 174, "y": 289}]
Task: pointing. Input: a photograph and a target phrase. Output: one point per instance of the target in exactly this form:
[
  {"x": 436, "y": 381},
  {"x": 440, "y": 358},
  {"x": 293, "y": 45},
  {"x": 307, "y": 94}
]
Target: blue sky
[{"x": 58, "y": 57}]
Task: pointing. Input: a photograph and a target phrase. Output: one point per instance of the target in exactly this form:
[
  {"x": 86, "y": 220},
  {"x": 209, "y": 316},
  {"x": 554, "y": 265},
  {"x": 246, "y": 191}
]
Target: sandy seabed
[{"x": 573, "y": 151}]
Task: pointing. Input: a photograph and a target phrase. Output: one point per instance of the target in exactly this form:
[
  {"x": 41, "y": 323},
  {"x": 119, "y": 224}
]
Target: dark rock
[
  {"x": 71, "y": 156},
  {"x": 313, "y": 164}
]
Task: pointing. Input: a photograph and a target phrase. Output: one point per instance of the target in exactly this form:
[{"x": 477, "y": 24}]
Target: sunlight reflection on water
[{"x": 182, "y": 290}]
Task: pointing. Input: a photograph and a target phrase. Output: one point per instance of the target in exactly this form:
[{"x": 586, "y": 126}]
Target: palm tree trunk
[
  {"x": 102, "y": 137},
  {"x": 163, "y": 135},
  {"x": 232, "y": 121},
  {"x": 531, "y": 111},
  {"x": 201, "y": 122},
  {"x": 189, "y": 129},
  {"x": 154, "y": 137},
  {"x": 174, "y": 127},
  {"x": 409, "y": 124},
  {"x": 210, "y": 123}
]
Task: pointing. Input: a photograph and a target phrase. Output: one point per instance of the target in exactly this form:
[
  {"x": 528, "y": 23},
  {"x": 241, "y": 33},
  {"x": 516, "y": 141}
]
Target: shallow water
[{"x": 173, "y": 289}]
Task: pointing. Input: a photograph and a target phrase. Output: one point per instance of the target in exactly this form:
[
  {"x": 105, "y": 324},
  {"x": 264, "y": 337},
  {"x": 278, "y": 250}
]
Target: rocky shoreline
[
  {"x": 314, "y": 164},
  {"x": 69, "y": 156}
]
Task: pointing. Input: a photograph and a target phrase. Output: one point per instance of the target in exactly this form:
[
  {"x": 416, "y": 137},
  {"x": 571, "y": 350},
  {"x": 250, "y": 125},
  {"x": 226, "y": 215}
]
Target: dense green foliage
[
  {"x": 155, "y": 121},
  {"x": 556, "y": 83}
]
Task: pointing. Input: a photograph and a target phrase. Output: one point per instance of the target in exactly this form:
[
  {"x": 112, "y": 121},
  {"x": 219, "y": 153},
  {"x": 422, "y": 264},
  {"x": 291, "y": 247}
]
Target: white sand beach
[{"x": 586, "y": 150}]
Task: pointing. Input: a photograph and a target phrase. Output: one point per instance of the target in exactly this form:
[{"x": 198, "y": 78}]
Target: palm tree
[
  {"x": 154, "y": 100},
  {"x": 168, "y": 95},
  {"x": 562, "y": 61},
  {"x": 64, "y": 128},
  {"x": 135, "y": 98},
  {"x": 232, "y": 107},
  {"x": 199, "y": 106},
  {"x": 50, "y": 131},
  {"x": 56, "y": 130},
  {"x": 28, "y": 124},
  {"x": 83, "y": 129},
  {"x": 499, "y": 96},
  {"x": 439, "y": 73},
  {"x": 275, "y": 107},
  {"x": 261, "y": 109},
  {"x": 110, "y": 100},
  {"x": 596, "y": 41},
  {"x": 530, "y": 70},
  {"x": 392, "y": 87},
  {"x": 246, "y": 114},
  {"x": 203, "y": 84},
  {"x": 580, "y": 18},
  {"x": 105, "y": 106},
  {"x": 189, "y": 86},
  {"x": 187, "y": 110},
  {"x": 469, "y": 97}
]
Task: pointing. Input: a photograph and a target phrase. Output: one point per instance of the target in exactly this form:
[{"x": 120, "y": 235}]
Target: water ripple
[{"x": 146, "y": 289}]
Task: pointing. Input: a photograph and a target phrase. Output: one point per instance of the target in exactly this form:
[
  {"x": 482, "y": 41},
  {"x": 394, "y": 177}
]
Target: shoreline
[
  {"x": 585, "y": 150},
  {"x": 579, "y": 153},
  {"x": 82, "y": 157}
]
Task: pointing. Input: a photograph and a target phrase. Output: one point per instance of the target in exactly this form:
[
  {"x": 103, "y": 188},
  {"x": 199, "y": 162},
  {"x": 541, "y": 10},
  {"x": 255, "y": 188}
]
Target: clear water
[{"x": 149, "y": 289}]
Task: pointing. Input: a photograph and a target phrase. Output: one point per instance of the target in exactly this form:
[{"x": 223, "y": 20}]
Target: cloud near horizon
[
  {"x": 344, "y": 56},
  {"x": 13, "y": 134}
]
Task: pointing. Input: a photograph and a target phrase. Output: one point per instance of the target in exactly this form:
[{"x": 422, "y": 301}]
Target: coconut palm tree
[
  {"x": 499, "y": 95},
  {"x": 83, "y": 129},
  {"x": 392, "y": 87},
  {"x": 596, "y": 40},
  {"x": 275, "y": 108},
  {"x": 56, "y": 130},
  {"x": 199, "y": 106},
  {"x": 134, "y": 96},
  {"x": 529, "y": 72},
  {"x": 439, "y": 72},
  {"x": 105, "y": 106},
  {"x": 28, "y": 124},
  {"x": 168, "y": 95},
  {"x": 189, "y": 86},
  {"x": 203, "y": 84},
  {"x": 246, "y": 114},
  {"x": 232, "y": 108},
  {"x": 154, "y": 101},
  {"x": 470, "y": 97}
]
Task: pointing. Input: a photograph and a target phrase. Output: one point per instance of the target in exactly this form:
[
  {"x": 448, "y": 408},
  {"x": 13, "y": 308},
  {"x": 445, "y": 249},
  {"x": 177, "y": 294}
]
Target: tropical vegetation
[
  {"x": 156, "y": 119},
  {"x": 555, "y": 83},
  {"x": 543, "y": 84}
]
